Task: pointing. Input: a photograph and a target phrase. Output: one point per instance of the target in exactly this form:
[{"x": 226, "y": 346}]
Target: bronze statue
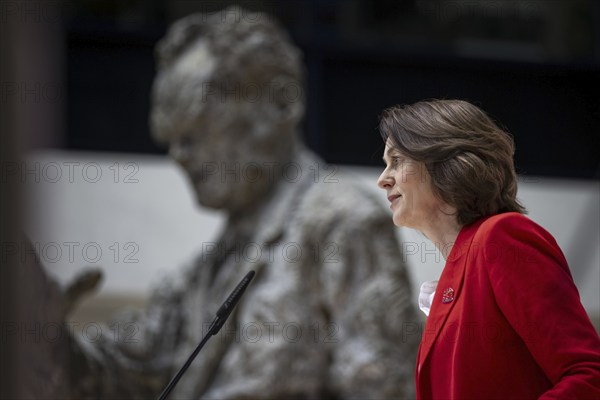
[{"x": 326, "y": 315}]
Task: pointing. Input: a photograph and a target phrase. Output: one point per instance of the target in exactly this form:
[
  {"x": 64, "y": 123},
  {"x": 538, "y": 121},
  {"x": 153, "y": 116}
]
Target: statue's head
[{"x": 227, "y": 100}]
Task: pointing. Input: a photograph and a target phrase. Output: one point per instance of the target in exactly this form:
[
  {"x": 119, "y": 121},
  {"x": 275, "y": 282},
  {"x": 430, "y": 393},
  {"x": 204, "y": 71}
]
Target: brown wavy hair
[{"x": 469, "y": 158}]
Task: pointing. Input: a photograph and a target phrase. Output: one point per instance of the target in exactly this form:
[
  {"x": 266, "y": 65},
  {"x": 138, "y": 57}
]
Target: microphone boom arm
[{"x": 222, "y": 315}]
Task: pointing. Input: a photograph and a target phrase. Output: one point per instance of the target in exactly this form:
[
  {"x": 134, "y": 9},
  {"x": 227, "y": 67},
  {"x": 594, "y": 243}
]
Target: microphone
[
  {"x": 222, "y": 315},
  {"x": 227, "y": 307}
]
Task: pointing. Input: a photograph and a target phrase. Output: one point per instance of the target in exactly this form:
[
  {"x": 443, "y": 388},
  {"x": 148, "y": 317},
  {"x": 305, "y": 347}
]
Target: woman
[{"x": 505, "y": 319}]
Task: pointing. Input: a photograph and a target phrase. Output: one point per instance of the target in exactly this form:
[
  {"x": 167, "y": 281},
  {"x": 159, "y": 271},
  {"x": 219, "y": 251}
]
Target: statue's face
[
  {"x": 228, "y": 166},
  {"x": 228, "y": 146}
]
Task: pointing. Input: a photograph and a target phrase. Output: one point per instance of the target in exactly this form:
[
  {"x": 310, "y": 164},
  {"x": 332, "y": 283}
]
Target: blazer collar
[{"x": 448, "y": 289}]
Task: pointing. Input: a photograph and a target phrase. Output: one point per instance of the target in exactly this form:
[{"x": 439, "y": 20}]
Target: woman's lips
[{"x": 392, "y": 198}]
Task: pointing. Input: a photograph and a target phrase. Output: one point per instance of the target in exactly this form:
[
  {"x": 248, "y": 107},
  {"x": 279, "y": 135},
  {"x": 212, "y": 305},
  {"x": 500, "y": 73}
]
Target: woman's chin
[
  {"x": 398, "y": 220},
  {"x": 401, "y": 221}
]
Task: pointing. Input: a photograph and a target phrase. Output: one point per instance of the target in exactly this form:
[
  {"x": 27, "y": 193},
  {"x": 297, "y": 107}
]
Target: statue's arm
[
  {"x": 129, "y": 358},
  {"x": 55, "y": 360},
  {"x": 368, "y": 293},
  {"x": 132, "y": 357}
]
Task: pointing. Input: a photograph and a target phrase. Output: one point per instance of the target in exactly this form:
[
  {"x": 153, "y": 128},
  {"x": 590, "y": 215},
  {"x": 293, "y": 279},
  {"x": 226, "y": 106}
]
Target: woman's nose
[{"x": 385, "y": 180}]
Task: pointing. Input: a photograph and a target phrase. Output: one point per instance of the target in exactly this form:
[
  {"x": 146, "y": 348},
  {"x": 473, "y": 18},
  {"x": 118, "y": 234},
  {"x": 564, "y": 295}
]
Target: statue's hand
[
  {"x": 43, "y": 347},
  {"x": 55, "y": 303},
  {"x": 83, "y": 284}
]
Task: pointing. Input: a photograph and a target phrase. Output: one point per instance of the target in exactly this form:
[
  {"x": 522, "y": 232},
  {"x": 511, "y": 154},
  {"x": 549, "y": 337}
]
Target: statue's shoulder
[{"x": 342, "y": 200}]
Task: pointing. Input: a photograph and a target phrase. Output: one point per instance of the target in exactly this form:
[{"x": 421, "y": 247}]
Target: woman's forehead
[
  {"x": 390, "y": 148},
  {"x": 388, "y": 145}
]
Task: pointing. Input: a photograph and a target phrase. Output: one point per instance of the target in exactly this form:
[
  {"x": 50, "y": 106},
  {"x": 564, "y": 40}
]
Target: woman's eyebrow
[{"x": 388, "y": 153}]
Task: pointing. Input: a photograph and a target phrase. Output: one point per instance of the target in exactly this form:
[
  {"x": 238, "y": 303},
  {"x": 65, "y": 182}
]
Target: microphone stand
[{"x": 214, "y": 328}]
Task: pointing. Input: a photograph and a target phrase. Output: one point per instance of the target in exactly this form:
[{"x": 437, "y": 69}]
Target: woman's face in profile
[{"x": 409, "y": 190}]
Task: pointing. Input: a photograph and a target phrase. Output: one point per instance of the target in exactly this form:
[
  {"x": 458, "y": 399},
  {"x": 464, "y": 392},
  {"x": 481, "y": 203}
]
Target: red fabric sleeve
[{"x": 534, "y": 289}]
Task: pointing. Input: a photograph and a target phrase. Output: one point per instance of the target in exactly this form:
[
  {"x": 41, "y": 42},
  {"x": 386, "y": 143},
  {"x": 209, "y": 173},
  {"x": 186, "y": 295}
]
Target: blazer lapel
[{"x": 448, "y": 290}]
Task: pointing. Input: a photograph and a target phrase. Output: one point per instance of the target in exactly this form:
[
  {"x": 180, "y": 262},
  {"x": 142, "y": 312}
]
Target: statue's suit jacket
[
  {"x": 506, "y": 320},
  {"x": 329, "y": 313}
]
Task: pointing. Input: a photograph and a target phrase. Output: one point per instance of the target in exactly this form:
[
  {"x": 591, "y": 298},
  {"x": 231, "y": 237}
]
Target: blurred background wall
[
  {"x": 102, "y": 194},
  {"x": 532, "y": 64}
]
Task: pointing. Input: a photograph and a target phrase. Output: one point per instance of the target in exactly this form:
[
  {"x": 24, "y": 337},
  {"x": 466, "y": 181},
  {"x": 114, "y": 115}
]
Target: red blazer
[{"x": 506, "y": 321}]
